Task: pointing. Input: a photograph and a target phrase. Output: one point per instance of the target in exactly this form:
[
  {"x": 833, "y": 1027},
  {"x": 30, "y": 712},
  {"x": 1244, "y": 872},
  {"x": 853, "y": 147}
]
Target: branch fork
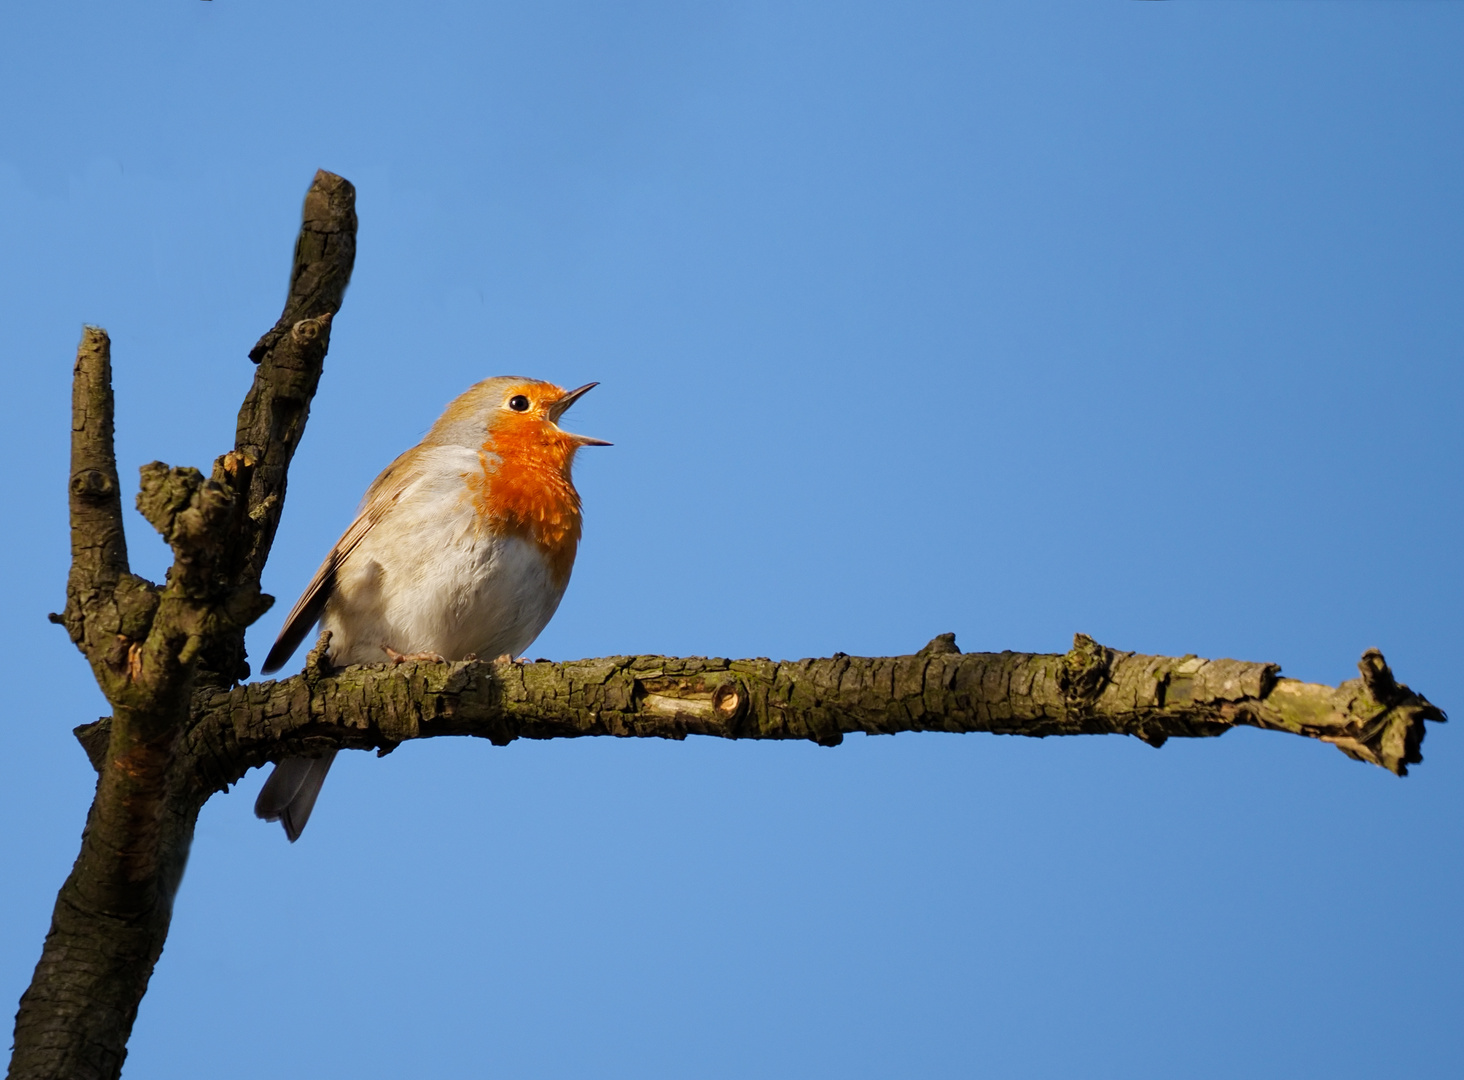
[{"x": 151, "y": 647}]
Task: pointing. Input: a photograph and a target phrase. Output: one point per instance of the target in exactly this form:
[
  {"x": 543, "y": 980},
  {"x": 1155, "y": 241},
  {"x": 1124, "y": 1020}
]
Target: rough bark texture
[
  {"x": 152, "y": 647},
  {"x": 168, "y": 658},
  {"x": 1090, "y": 690}
]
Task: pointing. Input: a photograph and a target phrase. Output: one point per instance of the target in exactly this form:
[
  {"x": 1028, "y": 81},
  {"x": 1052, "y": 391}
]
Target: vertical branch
[
  {"x": 112, "y": 913},
  {"x": 107, "y": 608},
  {"x": 325, "y": 252},
  {"x": 107, "y": 932},
  {"x": 291, "y": 357},
  {"x": 149, "y": 646},
  {"x": 101, "y": 596},
  {"x": 98, "y": 546}
]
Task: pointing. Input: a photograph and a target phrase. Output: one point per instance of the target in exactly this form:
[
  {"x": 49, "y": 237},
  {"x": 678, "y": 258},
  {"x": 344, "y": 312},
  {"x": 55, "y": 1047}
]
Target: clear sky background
[{"x": 1136, "y": 319}]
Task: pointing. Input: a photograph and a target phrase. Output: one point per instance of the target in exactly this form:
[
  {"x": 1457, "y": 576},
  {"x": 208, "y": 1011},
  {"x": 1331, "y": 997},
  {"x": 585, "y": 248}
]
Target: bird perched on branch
[{"x": 462, "y": 546}]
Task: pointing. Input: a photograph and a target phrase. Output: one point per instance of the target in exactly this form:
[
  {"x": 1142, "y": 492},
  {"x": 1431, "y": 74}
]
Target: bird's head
[{"x": 514, "y": 417}]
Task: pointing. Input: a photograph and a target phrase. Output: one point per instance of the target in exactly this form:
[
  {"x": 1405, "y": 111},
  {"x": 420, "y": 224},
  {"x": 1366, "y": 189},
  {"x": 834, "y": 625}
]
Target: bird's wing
[{"x": 380, "y": 497}]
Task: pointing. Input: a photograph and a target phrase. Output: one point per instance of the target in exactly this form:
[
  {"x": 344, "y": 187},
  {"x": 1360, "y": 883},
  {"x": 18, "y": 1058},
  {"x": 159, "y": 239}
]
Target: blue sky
[{"x": 1141, "y": 320}]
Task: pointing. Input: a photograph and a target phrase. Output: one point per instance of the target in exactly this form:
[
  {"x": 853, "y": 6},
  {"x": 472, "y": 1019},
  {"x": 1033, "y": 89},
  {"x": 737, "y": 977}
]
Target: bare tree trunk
[
  {"x": 168, "y": 657},
  {"x": 151, "y": 647}
]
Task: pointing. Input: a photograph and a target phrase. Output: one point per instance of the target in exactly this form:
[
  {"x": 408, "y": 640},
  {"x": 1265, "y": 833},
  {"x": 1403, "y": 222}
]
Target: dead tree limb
[
  {"x": 1090, "y": 690},
  {"x": 151, "y": 647},
  {"x": 169, "y": 657}
]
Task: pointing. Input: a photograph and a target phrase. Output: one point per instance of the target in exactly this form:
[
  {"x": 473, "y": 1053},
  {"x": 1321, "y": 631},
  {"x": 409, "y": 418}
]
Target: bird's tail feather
[{"x": 289, "y": 794}]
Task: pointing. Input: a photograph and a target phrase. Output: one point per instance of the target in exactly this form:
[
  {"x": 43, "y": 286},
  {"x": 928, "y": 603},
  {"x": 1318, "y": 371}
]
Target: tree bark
[
  {"x": 153, "y": 647},
  {"x": 1090, "y": 690},
  {"x": 168, "y": 657}
]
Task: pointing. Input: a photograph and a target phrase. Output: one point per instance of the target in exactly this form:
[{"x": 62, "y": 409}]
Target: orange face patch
[{"x": 528, "y": 489}]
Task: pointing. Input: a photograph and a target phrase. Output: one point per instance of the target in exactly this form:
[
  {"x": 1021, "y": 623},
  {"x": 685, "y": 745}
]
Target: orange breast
[{"x": 527, "y": 491}]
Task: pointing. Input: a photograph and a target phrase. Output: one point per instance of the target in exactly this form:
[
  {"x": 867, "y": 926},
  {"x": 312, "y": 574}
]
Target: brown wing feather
[{"x": 380, "y": 497}]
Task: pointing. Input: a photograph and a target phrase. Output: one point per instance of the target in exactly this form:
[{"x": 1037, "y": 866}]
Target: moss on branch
[{"x": 1090, "y": 690}]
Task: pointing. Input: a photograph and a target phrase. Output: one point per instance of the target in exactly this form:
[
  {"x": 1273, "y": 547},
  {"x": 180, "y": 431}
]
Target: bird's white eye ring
[{"x": 518, "y": 403}]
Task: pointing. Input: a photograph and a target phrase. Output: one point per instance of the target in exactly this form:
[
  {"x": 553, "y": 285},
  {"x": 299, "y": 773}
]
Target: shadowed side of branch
[
  {"x": 112, "y": 912},
  {"x": 150, "y": 646},
  {"x": 1090, "y": 690},
  {"x": 325, "y": 254},
  {"x": 271, "y": 422},
  {"x": 107, "y": 608}
]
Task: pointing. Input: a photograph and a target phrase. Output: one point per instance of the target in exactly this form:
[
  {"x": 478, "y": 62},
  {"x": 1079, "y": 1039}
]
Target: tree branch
[
  {"x": 1091, "y": 690},
  {"x": 150, "y": 647},
  {"x": 98, "y": 546},
  {"x": 291, "y": 358},
  {"x": 167, "y": 658},
  {"x": 106, "y": 606},
  {"x": 325, "y": 252}
]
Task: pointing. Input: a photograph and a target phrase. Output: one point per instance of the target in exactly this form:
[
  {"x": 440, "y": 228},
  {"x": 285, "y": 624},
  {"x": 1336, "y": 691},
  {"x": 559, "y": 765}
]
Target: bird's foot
[
  {"x": 509, "y": 658},
  {"x": 402, "y": 658}
]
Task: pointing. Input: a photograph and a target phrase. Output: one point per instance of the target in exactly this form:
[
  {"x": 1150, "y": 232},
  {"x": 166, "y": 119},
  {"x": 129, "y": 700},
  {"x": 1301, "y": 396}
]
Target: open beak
[{"x": 561, "y": 406}]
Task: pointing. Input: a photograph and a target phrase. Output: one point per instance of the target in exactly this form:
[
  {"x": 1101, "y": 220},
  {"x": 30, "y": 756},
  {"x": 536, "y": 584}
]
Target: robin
[{"x": 462, "y": 547}]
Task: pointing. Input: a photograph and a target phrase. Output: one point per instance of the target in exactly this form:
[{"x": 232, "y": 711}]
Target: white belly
[{"x": 431, "y": 577}]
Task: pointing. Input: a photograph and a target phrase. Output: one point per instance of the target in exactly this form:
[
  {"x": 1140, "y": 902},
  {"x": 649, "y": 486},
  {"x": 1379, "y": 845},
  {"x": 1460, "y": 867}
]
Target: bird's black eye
[{"x": 518, "y": 403}]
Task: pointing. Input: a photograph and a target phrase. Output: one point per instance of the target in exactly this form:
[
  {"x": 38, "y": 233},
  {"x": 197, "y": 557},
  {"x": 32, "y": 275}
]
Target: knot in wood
[
  {"x": 1083, "y": 673},
  {"x": 308, "y": 330},
  {"x": 729, "y": 700},
  {"x": 92, "y": 484}
]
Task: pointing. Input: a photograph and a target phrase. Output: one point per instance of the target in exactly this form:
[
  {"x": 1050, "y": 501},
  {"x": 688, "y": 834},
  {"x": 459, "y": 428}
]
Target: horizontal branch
[{"x": 1090, "y": 690}]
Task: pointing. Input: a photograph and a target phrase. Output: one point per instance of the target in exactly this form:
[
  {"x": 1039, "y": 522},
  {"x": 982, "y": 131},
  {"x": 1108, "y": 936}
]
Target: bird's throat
[{"x": 524, "y": 488}]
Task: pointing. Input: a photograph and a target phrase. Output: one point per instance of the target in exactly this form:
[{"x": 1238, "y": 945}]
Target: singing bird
[{"x": 462, "y": 546}]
